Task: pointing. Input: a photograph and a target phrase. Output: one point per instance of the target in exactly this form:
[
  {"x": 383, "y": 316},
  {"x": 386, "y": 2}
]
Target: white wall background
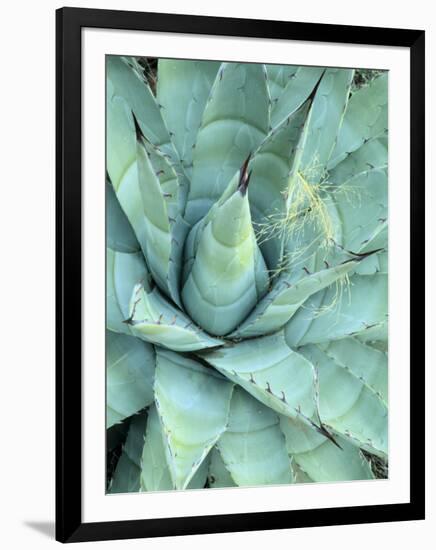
[{"x": 27, "y": 207}]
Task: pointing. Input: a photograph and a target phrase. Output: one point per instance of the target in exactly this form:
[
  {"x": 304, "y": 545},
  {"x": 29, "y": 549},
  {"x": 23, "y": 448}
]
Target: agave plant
[{"x": 246, "y": 275}]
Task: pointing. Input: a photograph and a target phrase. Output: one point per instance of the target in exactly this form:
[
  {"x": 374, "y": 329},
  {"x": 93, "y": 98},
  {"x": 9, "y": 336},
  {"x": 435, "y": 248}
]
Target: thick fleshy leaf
[
  {"x": 328, "y": 107},
  {"x": 320, "y": 458},
  {"x": 189, "y": 395},
  {"x": 123, "y": 272},
  {"x": 367, "y": 364},
  {"x": 160, "y": 241},
  {"x": 127, "y": 93},
  {"x": 278, "y": 78},
  {"x": 271, "y": 371},
  {"x": 129, "y": 197},
  {"x": 148, "y": 195},
  {"x": 366, "y": 117},
  {"x": 333, "y": 314},
  {"x": 153, "y": 221},
  {"x": 312, "y": 230},
  {"x": 375, "y": 336},
  {"x": 126, "y": 478},
  {"x": 279, "y": 305},
  {"x": 295, "y": 93},
  {"x": 274, "y": 167},
  {"x": 152, "y": 318},
  {"x": 228, "y": 274},
  {"x": 347, "y": 403},
  {"x": 196, "y": 232},
  {"x": 138, "y": 177},
  {"x": 166, "y": 175},
  {"x": 183, "y": 88},
  {"x": 218, "y": 476},
  {"x": 253, "y": 447},
  {"x": 374, "y": 263},
  {"x": 309, "y": 230},
  {"x": 130, "y": 365},
  {"x": 234, "y": 122},
  {"x": 359, "y": 211},
  {"x": 272, "y": 163},
  {"x": 155, "y": 474},
  {"x": 372, "y": 154},
  {"x": 119, "y": 232},
  {"x": 174, "y": 189}
]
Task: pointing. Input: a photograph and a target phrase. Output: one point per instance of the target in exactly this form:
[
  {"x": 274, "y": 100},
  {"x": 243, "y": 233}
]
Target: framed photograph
[{"x": 240, "y": 283}]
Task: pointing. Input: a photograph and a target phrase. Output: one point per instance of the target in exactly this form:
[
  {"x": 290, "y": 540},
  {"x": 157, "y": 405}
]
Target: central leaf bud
[{"x": 225, "y": 273}]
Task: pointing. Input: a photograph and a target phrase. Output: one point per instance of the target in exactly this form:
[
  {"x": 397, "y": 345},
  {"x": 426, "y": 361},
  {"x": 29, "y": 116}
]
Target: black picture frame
[{"x": 69, "y": 23}]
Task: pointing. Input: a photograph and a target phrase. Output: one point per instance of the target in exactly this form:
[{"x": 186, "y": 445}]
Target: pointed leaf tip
[
  {"x": 244, "y": 178},
  {"x": 315, "y": 89},
  {"x": 243, "y": 185},
  {"x": 323, "y": 431},
  {"x": 138, "y": 131}
]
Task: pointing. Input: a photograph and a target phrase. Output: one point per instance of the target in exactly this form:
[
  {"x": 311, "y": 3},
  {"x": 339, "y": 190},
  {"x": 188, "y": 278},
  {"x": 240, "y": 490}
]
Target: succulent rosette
[{"x": 246, "y": 275}]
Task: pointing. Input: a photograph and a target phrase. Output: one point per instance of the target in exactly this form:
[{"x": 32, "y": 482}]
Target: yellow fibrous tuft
[
  {"x": 309, "y": 221},
  {"x": 309, "y": 208}
]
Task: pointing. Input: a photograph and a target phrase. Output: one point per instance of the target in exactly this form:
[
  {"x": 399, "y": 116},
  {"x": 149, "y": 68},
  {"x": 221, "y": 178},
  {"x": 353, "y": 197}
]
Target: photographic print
[{"x": 247, "y": 274}]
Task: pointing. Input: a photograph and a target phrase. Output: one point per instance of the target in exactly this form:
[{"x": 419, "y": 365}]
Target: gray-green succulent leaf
[
  {"x": 188, "y": 394},
  {"x": 253, "y": 448},
  {"x": 130, "y": 376}
]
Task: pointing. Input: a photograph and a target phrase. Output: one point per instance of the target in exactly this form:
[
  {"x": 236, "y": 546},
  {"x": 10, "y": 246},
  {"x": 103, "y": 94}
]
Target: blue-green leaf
[
  {"x": 234, "y": 122},
  {"x": 295, "y": 93},
  {"x": 193, "y": 405},
  {"x": 347, "y": 404},
  {"x": 155, "y": 473},
  {"x": 274, "y": 167},
  {"x": 183, "y": 88},
  {"x": 320, "y": 458},
  {"x": 253, "y": 447},
  {"x": 287, "y": 296},
  {"x": 119, "y": 232},
  {"x": 374, "y": 263},
  {"x": 130, "y": 365},
  {"x": 127, "y": 92},
  {"x": 372, "y": 154},
  {"x": 228, "y": 274},
  {"x": 153, "y": 219},
  {"x": 328, "y": 107},
  {"x": 123, "y": 272},
  {"x": 157, "y": 321},
  {"x": 338, "y": 312},
  {"x": 270, "y": 371},
  {"x": 367, "y": 364},
  {"x": 278, "y": 78},
  {"x": 366, "y": 117},
  {"x": 359, "y": 211}
]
